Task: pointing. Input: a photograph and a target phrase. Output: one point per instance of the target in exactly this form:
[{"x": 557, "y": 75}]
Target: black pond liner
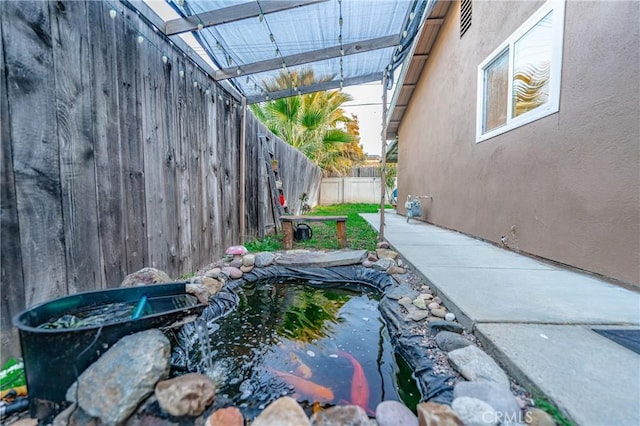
[
  {"x": 409, "y": 345},
  {"x": 55, "y": 357}
]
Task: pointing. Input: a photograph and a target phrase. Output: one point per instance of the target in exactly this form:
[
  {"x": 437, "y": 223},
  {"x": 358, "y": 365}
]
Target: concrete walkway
[{"x": 534, "y": 318}]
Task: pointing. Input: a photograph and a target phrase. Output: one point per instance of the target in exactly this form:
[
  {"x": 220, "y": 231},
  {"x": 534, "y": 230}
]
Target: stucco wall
[{"x": 565, "y": 187}]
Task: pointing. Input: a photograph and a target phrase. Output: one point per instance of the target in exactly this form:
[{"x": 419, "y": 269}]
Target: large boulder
[
  {"x": 145, "y": 276},
  {"x": 113, "y": 386}
]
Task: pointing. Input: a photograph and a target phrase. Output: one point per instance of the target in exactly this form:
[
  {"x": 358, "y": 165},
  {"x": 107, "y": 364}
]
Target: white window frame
[{"x": 553, "y": 104}]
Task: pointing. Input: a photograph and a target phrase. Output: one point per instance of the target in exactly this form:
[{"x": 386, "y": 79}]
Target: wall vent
[{"x": 465, "y": 16}]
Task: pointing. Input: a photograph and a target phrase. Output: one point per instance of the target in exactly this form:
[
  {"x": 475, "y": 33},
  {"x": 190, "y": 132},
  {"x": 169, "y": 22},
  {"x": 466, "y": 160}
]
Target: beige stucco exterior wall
[{"x": 565, "y": 187}]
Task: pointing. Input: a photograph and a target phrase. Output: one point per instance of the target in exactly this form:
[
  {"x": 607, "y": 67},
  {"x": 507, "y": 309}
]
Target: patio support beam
[
  {"x": 243, "y": 171},
  {"x": 327, "y": 85},
  {"x": 234, "y": 13},
  {"x": 383, "y": 170},
  {"x": 307, "y": 57}
]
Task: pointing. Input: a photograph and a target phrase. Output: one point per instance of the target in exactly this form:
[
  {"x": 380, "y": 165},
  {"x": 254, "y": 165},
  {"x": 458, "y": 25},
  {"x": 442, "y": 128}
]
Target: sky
[
  {"x": 367, "y": 105},
  {"x": 367, "y": 98}
]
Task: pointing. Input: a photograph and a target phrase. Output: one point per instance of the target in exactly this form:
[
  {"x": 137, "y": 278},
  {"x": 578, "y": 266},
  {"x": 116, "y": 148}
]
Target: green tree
[{"x": 314, "y": 123}]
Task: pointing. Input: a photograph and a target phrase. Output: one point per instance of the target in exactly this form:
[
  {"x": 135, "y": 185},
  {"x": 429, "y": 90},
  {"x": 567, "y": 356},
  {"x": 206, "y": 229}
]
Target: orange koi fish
[
  {"x": 359, "y": 384},
  {"x": 302, "y": 369},
  {"x": 307, "y": 388}
]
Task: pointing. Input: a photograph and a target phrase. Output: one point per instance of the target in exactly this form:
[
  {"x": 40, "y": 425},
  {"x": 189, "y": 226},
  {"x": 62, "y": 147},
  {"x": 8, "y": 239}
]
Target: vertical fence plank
[
  {"x": 184, "y": 203},
  {"x": 74, "y": 125},
  {"x": 129, "y": 94},
  {"x": 31, "y": 92},
  {"x": 11, "y": 278},
  {"x": 152, "y": 135},
  {"x": 214, "y": 191},
  {"x": 192, "y": 146},
  {"x": 106, "y": 136},
  {"x": 167, "y": 106}
]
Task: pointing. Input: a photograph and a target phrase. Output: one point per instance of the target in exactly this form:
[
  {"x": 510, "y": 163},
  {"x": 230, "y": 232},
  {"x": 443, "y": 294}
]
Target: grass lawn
[{"x": 359, "y": 234}]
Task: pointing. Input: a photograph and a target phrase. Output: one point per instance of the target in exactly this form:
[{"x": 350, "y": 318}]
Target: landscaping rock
[
  {"x": 426, "y": 296},
  {"x": 372, "y": 256},
  {"x": 199, "y": 291},
  {"x": 284, "y": 411},
  {"x": 212, "y": 284},
  {"x": 386, "y": 254},
  {"x": 417, "y": 315},
  {"x": 439, "y": 325},
  {"x": 73, "y": 416},
  {"x": 264, "y": 259},
  {"x": 367, "y": 263},
  {"x": 433, "y": 305},
  {"x": 440, "y": 313},
  {"x": 229, "y": 416},
  {"x": 213, "y": 273},
  {"x": 382, "y": 245},
  {"x": 475, "y": 365},
  {"x": 432, "y": 414},
  {"x": 383, "y": 264},
  {"x": 474, "y": 412},
  {"x": 437, "y": 300},
  {"x": 342, "y": 415},
  {"x": 235, "y": 263},
  {"x": 145, "y": 276},
  {"x": 396, "y": 270},
  {"x": 248, "y": 260},
  {"x": 113, "y": 386},
  {"x": 24, "y": 422},
  {"x": 231, "y": 272},
  {"x": 186, "y": 395},
  {"x": 450, "y": 316},
  {"x": 405, "y": 301},
  {"x": 537, "y": 417},
  {"x": 246, "y": 269},
  {"x": 449, "y": 341},
  {"x": 394, "y": 413},
  {"x": 497, "y": 396},
  {"x": 419, "y": 303}
]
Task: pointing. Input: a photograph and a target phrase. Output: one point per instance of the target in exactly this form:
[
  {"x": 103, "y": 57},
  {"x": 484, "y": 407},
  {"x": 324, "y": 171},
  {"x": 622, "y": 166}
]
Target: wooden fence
[{"x": 113, "y": 159}]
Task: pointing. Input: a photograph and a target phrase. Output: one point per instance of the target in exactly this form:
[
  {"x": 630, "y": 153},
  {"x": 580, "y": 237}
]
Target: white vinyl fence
[{"x": 338, "y": 190}]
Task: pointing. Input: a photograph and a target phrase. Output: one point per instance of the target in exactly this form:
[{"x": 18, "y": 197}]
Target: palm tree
[{"x": 312, "y": 122}]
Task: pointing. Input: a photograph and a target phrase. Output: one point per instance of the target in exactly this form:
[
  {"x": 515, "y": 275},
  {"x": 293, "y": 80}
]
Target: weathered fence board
[
  {"x": 131, "y": 147},
  {"x": 36, "y": 166},
  {"x": 113, "y": 160},
  {"x": 106, "y": 130},
  {"x": 77, "y": 166},
  {"x": 13, "y": 296}
]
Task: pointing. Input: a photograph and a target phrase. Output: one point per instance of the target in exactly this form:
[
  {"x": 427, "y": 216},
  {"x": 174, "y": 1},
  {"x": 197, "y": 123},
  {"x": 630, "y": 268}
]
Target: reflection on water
[{"x": 323, "y": 346}]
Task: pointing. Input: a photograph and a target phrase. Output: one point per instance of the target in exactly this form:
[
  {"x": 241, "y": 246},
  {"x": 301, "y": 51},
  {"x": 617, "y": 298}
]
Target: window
[{"x": 520, "y": 81}]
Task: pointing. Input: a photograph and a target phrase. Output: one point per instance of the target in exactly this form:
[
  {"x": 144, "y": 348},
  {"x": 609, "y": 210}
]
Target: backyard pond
[{"x": 322, "y": 346}]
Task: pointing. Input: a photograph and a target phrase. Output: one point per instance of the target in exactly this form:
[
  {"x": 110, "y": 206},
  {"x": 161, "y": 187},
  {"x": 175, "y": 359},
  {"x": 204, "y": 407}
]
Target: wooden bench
[{"x": 287, "y": 227}]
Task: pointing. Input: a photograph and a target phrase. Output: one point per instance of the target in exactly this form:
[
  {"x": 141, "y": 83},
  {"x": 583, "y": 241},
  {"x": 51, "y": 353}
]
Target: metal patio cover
[{"x": 344, "y": 42}]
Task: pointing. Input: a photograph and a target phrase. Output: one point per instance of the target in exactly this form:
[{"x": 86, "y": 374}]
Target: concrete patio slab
[
  {"x": 547, "y": 296},
  {"x": 594, "y": 379}
]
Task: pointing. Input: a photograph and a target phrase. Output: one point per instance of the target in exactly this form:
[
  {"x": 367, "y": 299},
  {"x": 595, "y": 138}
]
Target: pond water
[
  {"x": 111, "y": 313},
  {"x": 322, "y": 346}
]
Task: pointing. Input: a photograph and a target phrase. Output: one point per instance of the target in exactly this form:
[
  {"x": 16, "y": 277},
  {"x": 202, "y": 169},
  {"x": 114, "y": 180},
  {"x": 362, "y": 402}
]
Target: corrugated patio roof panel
[{"x": 254, "y": 38}]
